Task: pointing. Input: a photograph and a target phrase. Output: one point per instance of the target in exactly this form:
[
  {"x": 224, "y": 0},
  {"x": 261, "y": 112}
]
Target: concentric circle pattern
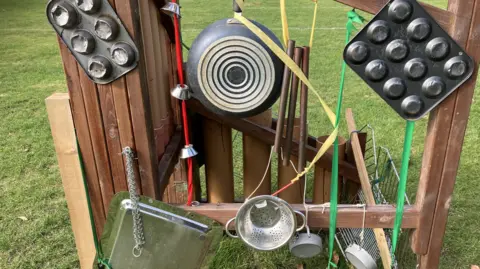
[{"x": 236, "y": 74}]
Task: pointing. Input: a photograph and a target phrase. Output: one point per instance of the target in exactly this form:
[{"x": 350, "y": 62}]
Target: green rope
[
  {"x": 352, "y": 17},
  {"x": 101, "y": 261},
  {"x": 407, "y": 146}
]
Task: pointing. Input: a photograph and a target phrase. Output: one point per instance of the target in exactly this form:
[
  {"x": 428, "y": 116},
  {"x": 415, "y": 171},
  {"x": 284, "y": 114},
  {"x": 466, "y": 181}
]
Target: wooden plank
[
  {"x": 379, "y": 216},
  {"x": 443, "y": 17},
  {"x": 218, "y": 162},
  {"x": 367, "y": 189},
  {"x": 169, "y": 160},
  {"x": 64, "y": 138},
  {"x": 267, "y": 135},
  {"x": 95, "y": 122},
  {"x": 83, "y": 135},
  {"x": 455, "y": 141},
  {"x": 128, "y": 11},
  {"x": 294, "y": 194},
  {"x": 436, "y": 140},
  {"x": 256, "y": 156}
]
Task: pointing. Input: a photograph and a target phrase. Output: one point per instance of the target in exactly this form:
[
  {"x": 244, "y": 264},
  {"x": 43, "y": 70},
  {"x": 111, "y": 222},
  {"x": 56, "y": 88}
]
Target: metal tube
[
  {"x": 283, "y": 98},
  {"x": 303, "y": 113},
  {"x": 291, "y": 109}
]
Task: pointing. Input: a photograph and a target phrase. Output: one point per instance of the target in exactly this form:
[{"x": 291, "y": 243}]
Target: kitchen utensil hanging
[
  {"x": 231, "y": 71},
  {"x": 306, "y": 245},
  {"x": 265, "y": 223},
  {"x": 95, "y": 36}
]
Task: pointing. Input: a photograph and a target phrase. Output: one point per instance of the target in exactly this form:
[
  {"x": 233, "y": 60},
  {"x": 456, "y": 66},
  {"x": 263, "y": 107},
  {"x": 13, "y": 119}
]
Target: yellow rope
[
  {"x": 283, "y": 14},
  {"x": 298, "y": 72},
  {"x": 314, "y": 22}
]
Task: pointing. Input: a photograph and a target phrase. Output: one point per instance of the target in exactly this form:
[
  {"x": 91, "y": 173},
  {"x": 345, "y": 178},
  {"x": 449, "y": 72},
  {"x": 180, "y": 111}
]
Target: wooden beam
[
  {"x": 456, "y": 136},
  {"x": 443, "y": 17},
  {"x": 367, "y": 188},
  {"x": 379, "y": 216},
  {"x": 267, "y": 136},
  {"x": 64, "y": 138},
  {"x": 439, "y": 130}
]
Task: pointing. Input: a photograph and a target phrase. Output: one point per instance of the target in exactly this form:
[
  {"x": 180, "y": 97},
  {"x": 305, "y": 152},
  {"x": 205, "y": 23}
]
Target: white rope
[{"x": 264, "y": 175}]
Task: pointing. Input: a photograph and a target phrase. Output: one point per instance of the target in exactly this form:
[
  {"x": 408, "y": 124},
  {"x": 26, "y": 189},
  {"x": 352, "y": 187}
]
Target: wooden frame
[{"x": 127, "y": 113}]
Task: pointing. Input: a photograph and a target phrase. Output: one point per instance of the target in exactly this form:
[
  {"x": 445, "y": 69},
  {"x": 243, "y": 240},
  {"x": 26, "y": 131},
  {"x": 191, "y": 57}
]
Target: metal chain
[{"x": 138, "y": 234}]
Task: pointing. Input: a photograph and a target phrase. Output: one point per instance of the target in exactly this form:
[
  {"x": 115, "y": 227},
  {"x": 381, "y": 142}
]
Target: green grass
[{"x": 30, "y": 186}]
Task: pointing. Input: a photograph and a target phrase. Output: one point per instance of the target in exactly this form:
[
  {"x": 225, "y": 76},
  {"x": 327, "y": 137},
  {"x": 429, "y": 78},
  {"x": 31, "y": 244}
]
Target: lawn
[{"x": 35, "y": 231}]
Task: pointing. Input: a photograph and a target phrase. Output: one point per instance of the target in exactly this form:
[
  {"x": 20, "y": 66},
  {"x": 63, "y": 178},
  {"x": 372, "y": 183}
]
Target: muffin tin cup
[
  {"x": 408, "y": 59},
  {"x": 95, "y": 36}
]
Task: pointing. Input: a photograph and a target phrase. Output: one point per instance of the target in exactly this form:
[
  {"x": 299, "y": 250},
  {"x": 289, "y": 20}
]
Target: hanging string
[
  {"x": 402, "y": 185},
  {"x": 181, "y": 80},
  {"x": 101, "y": 261},
  {"x": 264, "y": 175},
  {"x": 314, "y": 22},
  {"x": 283, "y": 15}
]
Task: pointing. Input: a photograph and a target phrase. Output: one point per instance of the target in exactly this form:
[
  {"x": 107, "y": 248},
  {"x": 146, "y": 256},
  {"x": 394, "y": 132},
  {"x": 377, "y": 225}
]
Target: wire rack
[{"x": 384, "y": 179}]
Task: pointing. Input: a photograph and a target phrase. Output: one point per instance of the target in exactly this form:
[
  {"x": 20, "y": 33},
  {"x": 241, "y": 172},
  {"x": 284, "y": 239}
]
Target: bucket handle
[
  {"x": 303, "y": 218},
  {"x": 228, "y": 224}
]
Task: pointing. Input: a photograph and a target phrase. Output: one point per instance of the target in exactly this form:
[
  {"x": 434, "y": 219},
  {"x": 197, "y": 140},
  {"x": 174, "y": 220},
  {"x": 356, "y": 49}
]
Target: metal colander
[{"x": 265, "y": 222}]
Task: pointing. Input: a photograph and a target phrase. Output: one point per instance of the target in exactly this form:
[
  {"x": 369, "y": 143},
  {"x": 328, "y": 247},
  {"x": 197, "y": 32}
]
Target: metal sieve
[{"x": 265, "y": 223}]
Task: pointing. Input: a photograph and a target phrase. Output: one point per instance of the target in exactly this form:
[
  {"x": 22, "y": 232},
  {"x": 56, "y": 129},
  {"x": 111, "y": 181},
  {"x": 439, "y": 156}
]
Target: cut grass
[{"x": 30, "y": 185}]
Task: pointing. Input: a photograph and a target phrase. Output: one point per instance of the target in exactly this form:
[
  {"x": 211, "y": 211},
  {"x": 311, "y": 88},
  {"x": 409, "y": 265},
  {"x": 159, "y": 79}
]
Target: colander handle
[
  {"x": 228, "y": 232},
  {"x": 303, "y": 218}
]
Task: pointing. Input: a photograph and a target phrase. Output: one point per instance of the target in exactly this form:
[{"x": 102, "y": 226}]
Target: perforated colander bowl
[{"x": 266, "y": 222}]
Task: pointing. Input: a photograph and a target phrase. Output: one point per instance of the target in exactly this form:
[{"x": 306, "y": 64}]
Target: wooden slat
[
  {"x": 64, "y": 138},
  {"x": 83, "y": 134},
  {"x": 256, "y": 155},
  {"x": 438, "y": 133},
  {"x": 454, "y": 146},
  {"x": 128, "y": 11},
  {"x": 367, "y": 188},
  {"x": 294, "y": 194},
  {"x": 267, "y": 135},
  {"x": 443, "y": 17},
  {"x": 95, "y": 122},
  {"x": 167, "y": 163},
  {"x": 218, "y": 162},
  {"x": 379, "y": 216}
]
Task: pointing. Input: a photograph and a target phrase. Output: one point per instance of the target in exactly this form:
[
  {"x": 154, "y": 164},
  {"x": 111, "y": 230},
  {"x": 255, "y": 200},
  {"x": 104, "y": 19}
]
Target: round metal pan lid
[{"x": 360, "y": 258}]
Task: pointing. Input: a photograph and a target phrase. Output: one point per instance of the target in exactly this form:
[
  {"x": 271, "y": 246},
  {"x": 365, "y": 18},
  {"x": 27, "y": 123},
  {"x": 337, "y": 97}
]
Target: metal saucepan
[
  {"x": 266, "y": 223},
  {"x": 306, "y": 245},
  {"x": 231, "y": 71},
  {"x": 360, "y": 258}
]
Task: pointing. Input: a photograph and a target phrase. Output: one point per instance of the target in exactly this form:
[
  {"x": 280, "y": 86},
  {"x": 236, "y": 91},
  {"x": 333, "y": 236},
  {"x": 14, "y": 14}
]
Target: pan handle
[
  {"x": 236, "y": 7},
  {"x": 303, "y": 218},
  {"x": 226, "y": 228}
]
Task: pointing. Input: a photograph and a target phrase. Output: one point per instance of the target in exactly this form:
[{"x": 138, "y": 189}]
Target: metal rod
[
  {"x": 291, "y": 109},
  {"x": 283, "y": 98},
  {"x": 303, "y": 112}
]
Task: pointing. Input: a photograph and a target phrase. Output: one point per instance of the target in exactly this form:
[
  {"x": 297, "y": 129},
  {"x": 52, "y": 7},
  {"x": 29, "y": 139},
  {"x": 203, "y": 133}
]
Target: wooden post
[
  {"x": 323, "y": 177},
  {"x": 293, "y": 194},
  {"x": 461, "y": 111},
  {"x": 64, "y": 137},
  {"x": 256, "y": 156},
  {"x": 218, "y": 162}
]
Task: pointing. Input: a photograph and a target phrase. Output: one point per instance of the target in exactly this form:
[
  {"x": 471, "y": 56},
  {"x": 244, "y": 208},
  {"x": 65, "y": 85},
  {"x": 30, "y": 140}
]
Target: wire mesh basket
[{"x": 384, "y": 179}]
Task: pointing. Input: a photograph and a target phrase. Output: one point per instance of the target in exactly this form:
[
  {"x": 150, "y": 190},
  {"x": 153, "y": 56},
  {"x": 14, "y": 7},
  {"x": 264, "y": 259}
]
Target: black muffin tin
[
  {"x": 408, "y": 59},
  {"x": 95, "y": 36}
]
